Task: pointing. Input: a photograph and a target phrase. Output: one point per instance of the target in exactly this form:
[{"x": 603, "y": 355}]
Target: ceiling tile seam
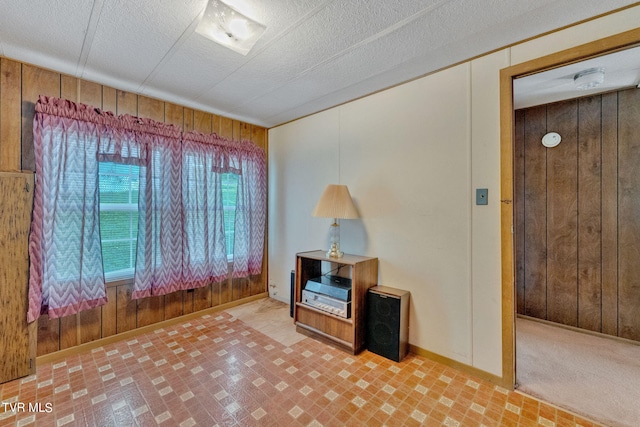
[
  {"x": 92, "y": 27},
  {"x": 173, "y": 49},
  {"x": 353, "y": 47},
  {"x": 271, "y": 42}
]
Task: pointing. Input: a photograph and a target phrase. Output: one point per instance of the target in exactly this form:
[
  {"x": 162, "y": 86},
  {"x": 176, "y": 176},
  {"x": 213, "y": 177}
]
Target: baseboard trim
[
  {"x": 494, "y": 379},
  {"x": 580, "y": 330},
  {"x": 62, "y": 354}
]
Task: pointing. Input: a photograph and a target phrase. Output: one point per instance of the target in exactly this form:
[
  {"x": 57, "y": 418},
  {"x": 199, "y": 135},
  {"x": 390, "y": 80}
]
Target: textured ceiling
[
  {"x": 315, "y": 54},
  {"x": 621, "y": 70}
]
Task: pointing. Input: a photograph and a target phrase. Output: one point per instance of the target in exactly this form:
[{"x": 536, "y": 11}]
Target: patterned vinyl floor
[{"x": 218, "y": 370}]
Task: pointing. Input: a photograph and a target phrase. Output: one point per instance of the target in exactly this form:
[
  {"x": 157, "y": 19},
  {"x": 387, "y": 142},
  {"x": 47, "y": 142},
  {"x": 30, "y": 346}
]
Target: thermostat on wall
[{"x": 551, "y": 139}]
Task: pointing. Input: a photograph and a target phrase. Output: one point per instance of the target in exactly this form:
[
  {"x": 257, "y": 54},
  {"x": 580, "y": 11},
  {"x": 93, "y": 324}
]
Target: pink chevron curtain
[
  {"x": 66, "y": 273},
  {"x": 251, "y": 206},
  {"x": 159, "y": 248},
  {"x": 204, "y": 245},
  {"x": 180, "y": 243}
]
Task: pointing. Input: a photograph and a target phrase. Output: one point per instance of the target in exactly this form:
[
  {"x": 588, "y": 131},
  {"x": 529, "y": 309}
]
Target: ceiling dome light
[
  {"x": 228, "y": 27},
  {"x": 239, "y": 28},
  {"x": 589, "y": 79}
]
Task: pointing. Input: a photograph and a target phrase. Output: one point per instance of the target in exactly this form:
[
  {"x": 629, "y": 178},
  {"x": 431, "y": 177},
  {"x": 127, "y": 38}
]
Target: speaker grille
[{"x": 383, "y": 325}]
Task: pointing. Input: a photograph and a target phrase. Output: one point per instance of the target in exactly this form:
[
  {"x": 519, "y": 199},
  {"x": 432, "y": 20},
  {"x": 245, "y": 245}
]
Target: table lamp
[{"x": 335, "y": 203}]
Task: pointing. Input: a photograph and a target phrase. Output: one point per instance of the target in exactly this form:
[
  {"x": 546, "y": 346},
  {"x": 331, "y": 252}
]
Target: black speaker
[
  {"x": 292, "y": 301},
  {"x": 388, "y": 322}
]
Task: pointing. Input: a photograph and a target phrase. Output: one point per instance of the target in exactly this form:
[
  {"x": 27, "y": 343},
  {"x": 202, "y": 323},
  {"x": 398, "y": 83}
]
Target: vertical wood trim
[
  {"x": 610, "y": 214},
  {"x": 507, "y": 270},
  {"x": 16, "y": 351},
  {"x": 10, "y": 115},
  {"x": 562, "y": 215},
  {"x": 535, "y": 221},
  {"x": 628, "y": 214},
  {"x": 589, "y": 218}
]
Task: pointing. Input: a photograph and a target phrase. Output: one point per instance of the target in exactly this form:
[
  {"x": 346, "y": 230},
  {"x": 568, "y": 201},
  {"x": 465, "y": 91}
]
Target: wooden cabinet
[
  {"x": 17, "y": 338},
  {"x": 347, "y": 333}
]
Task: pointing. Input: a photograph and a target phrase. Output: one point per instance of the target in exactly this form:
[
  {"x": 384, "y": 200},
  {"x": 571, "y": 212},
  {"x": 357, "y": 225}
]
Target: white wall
[{"x": 412, "y": 157}]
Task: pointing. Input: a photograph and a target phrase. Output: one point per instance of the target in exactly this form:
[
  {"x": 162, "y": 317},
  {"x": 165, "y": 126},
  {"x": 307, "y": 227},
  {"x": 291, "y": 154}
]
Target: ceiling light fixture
[
  {"x": 589, "y": 79},
  {"x": 228, "y": 27}
]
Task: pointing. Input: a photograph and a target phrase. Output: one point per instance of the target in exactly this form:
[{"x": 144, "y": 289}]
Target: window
[
  {"x": 229, "y": 198},
  {"x": 119, "y": 185}
]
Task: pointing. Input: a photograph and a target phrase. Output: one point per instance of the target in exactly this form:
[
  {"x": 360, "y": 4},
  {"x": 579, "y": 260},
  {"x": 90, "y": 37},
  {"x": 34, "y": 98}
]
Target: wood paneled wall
[
  {"x": 578, "y": 215},
  {"x": 20, "y": 86}
]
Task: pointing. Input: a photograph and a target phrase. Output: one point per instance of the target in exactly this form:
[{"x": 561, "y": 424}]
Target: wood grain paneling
[
  {"x": 519, "y": 244},
  {"x": 629, "y": 214},
  {"x": 20, "y": 86},
  {"x": 126, "y": 103},
  {"x": 48, "y": 335},
  {"x": 109, "y": 324},
  {"x": 126, "y": 309},
  {"x": 592, "y": 188},
  {"x": 535, "y": 205},
  {"x": 562, "y": 215},
  {"x": 16, "y": 193},
  {"x": 590, "y": 209},
  {"x": 35, "y": 82},
  {"x": 610, "y": 213},
  {"x": 10, "y": 115}
]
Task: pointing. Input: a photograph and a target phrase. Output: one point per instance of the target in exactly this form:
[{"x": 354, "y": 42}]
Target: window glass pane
[
  {"x": 116, "y": 224},
  {"x": 116, "y": 255},
  {"x": 118, "y": 186}
]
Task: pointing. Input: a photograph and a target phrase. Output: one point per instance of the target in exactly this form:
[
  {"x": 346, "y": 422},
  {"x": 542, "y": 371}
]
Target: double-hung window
[{"x": 119, "y": 186}]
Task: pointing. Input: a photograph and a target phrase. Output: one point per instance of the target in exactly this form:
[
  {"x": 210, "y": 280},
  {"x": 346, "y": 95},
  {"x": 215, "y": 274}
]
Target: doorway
[{"x": 579, "y": 54}]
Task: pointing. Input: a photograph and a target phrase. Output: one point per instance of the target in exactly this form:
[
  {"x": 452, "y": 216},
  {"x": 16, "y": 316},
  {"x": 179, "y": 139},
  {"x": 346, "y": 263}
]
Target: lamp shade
[{"x": 335, "y": 202}]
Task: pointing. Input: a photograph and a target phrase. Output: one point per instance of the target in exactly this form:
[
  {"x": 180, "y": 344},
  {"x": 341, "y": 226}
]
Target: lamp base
[{"x": 335, "y": 251}]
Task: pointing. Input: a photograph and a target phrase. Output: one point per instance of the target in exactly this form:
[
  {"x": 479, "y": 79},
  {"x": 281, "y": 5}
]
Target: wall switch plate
[{"x": 482, "y": 196}]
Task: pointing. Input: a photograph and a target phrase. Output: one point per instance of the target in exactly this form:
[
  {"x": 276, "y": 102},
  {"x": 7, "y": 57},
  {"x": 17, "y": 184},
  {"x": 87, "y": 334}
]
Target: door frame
[{"x": 589, "y": 50}]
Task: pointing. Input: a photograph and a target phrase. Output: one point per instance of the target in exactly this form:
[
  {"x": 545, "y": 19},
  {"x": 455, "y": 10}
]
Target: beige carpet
[{"x": 590, "y": 375}]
